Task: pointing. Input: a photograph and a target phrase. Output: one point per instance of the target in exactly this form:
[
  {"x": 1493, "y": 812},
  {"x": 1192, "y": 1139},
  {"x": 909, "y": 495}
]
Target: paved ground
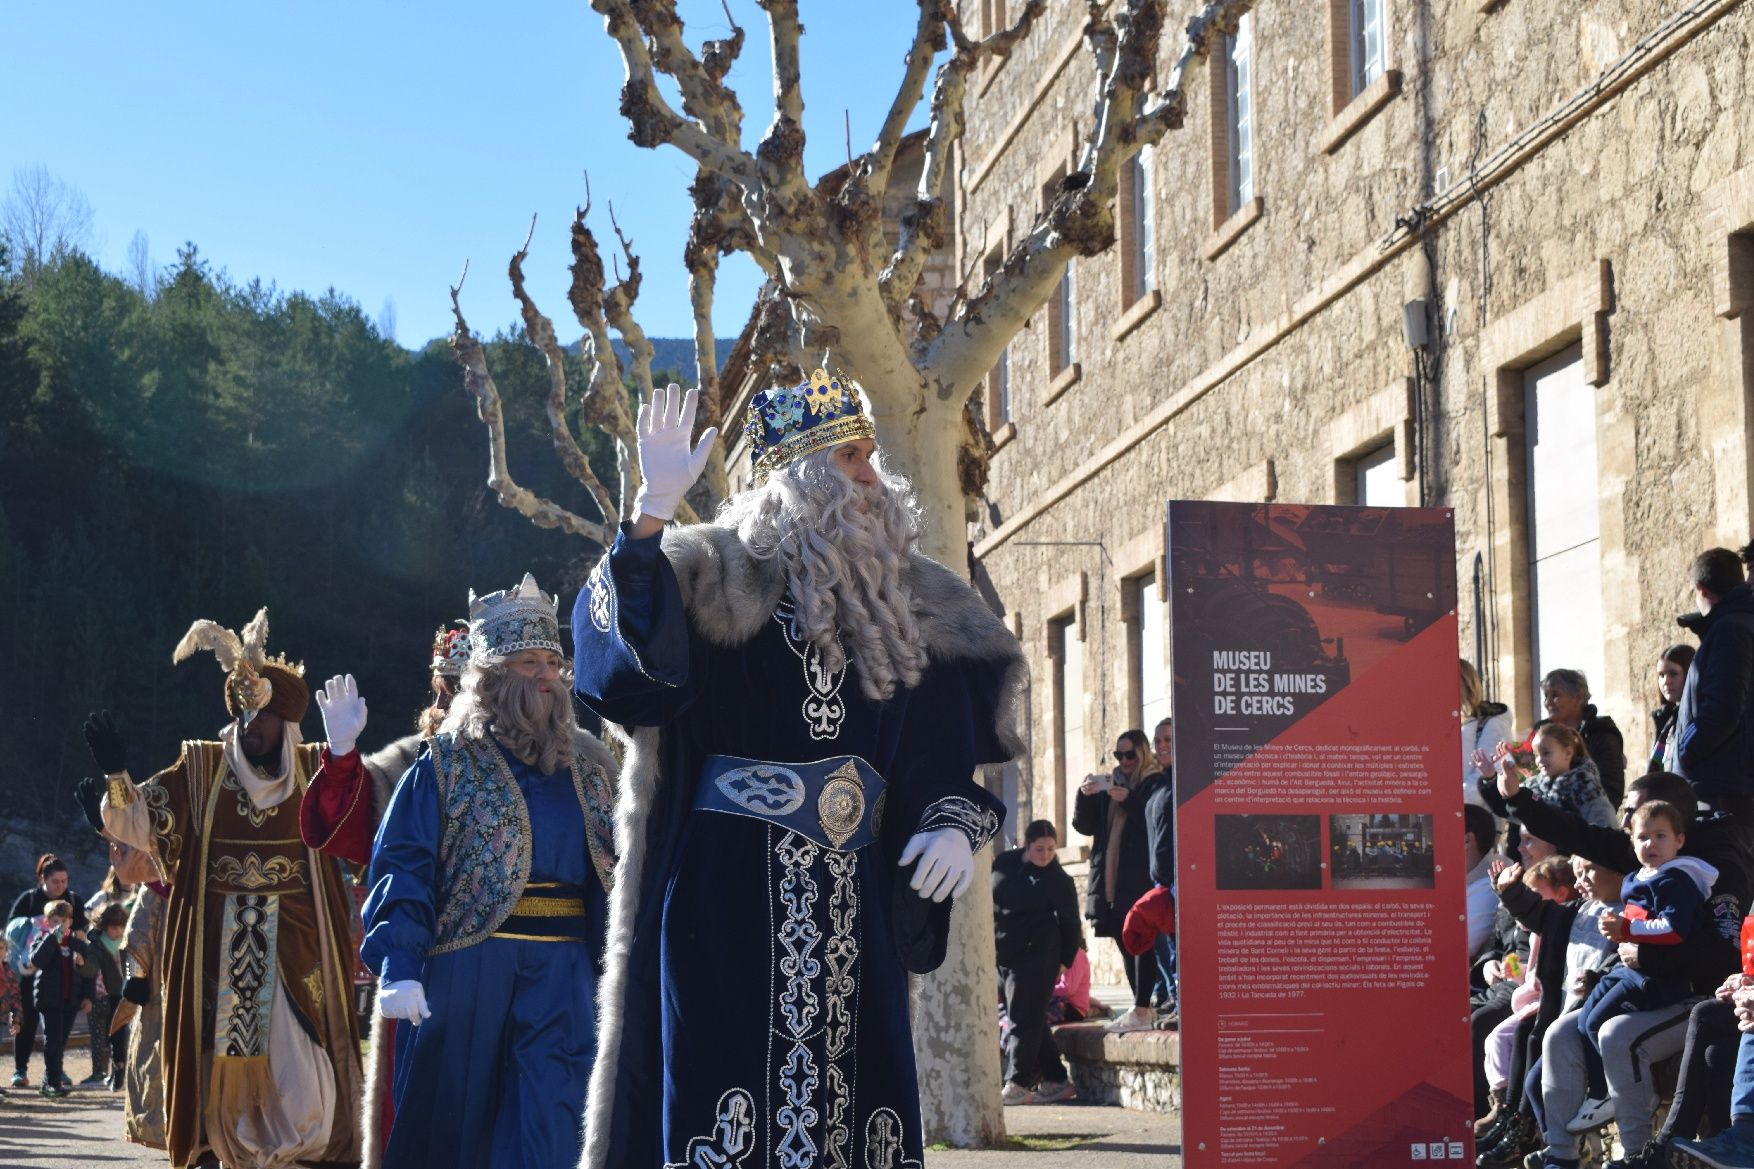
[
  {"x": 84, "y": 1131},
  {"x": 1082, "y": 1136},
  {"x": 78, "y": 1131}
]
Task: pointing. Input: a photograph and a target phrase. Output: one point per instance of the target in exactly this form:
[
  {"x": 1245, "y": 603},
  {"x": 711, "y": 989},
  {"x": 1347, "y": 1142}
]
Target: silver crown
[{"x": 503, "y": 623}]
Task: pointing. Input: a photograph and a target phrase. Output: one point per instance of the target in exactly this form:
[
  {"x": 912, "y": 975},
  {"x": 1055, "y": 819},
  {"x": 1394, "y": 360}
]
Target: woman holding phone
[{"x": 1110, "y": 810}]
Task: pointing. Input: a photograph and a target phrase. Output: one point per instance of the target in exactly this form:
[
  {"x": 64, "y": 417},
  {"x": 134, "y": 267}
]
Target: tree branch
[
  {"x": 540, "y": 330},
  {"x": 650, "y": 118},
  {"x": 1080, "y": 219},
  {"x": 478, "y": 381},
  {"x": 1166, "y": 112},
  {"x": 780, "y": 156},
  {"x": 704, "y": 96},
  {"x": 928, "y": 39},
  {"x": 923, "y": 225}
]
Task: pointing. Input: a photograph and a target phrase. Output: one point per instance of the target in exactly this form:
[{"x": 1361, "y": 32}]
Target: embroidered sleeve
[
  {"x": 155, "y": 816},
  {"x": 631, "y": 648},
  {"x": 979, "y": 824}
]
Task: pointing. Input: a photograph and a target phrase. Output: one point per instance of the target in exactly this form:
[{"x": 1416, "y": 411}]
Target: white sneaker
[
  {"x": 1055, "y": 1093},
  {"x": 1133, "y": 1020},
  {"x": 1592, "y": 1114},
  {"x": 1017, "y": 1094}
]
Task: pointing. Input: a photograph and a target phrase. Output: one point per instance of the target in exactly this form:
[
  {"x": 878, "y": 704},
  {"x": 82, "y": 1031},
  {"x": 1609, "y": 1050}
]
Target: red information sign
[{"x": 1322, "y": 913}]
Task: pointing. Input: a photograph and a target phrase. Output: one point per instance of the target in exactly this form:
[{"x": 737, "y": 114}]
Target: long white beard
[{"x": 844, "y": 564}]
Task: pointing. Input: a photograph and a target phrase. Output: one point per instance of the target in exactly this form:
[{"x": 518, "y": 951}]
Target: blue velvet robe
[
  {"x": 497, "y": 1076},
  {"x": 765, "y": 1011}
]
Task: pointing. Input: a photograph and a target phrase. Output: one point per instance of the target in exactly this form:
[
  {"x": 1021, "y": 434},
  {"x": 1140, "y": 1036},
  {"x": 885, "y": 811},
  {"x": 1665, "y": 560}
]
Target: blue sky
[{"x": 372, "y": 146}]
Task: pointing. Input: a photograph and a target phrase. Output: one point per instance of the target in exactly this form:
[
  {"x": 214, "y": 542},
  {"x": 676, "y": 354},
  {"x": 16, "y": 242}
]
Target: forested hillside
[{"x": 189, "y": 446}]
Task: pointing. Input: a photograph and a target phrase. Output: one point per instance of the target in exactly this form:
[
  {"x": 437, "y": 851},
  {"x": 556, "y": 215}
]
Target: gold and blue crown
[
  {"x": 789, "y": 422},
  {"x": 506, "y": 622},
  {"x": 450, "y": 649}
]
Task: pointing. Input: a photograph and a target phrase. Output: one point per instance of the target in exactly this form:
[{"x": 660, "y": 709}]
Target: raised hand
[
  {"x": 108, "y": 749},
  {"x": 88, "y": 793},
  {"x": 669, "y": 462},
  {"x": 946, "y": 863},
  {"x": 1510, "y": 777},
  {"x": 343, "y": 713}
]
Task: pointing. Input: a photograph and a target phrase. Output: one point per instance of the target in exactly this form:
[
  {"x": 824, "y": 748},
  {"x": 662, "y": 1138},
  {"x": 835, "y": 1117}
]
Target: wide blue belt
[{"x": 836, "y": 802}]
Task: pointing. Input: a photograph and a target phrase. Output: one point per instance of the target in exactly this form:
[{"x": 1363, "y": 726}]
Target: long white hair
[
  {"x": 843, "y": 564},
  {"x": 537, "y": 728}
]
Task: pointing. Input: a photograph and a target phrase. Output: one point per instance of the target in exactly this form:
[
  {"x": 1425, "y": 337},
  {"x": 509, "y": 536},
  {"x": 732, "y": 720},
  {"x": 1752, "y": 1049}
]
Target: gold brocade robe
[
  {"x": 260, "y": 1042},
  {"x": 143, "y": 1079}
]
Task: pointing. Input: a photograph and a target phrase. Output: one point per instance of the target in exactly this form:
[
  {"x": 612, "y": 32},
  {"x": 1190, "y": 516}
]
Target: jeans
[
  {"x": 1742, "y": 1087},
  {"x": 1167, "y": 982}
]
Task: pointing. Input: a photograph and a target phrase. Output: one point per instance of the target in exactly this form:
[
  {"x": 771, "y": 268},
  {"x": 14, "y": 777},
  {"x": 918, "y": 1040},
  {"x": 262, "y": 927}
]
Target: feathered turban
[{"x": 253, "y": 681}]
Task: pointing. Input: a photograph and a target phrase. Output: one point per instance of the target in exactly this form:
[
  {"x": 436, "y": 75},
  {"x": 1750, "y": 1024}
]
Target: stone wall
[{"x": 1615, "y": 211}]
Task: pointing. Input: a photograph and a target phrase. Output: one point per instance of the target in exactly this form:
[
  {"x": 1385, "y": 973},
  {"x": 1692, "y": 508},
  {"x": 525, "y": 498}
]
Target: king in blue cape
[{"x": 805, "y": 702}]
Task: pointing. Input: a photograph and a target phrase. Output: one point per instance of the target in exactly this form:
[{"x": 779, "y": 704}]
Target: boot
[
  {"x": 1501, "y": 1124},
  {"x": 1520, "y": 1139},
  {"x": 1495, "y": 1105}
]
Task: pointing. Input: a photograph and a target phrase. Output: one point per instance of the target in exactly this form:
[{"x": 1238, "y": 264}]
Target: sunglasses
[{"x": 1126, "y": 754}]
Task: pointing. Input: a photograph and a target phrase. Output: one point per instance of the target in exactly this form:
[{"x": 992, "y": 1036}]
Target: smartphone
[{"x": 1101, "y": 782}]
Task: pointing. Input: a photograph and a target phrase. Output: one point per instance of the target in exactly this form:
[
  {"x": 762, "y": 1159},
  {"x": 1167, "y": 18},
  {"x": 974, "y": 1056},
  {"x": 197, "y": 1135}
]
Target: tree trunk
[{"x": 955, "y": 1021}]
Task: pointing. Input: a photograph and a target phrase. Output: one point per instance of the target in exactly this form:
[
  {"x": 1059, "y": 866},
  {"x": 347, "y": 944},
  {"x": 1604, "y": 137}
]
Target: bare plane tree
[{"x": 841, "y": 291}]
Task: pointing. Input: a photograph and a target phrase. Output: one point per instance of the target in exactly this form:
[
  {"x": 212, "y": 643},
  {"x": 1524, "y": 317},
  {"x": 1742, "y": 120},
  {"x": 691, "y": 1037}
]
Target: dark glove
[
  {"x": 137, "y": 990},
  {"x": 108, "y": 749},
  {"x": 89, "y": 792}
]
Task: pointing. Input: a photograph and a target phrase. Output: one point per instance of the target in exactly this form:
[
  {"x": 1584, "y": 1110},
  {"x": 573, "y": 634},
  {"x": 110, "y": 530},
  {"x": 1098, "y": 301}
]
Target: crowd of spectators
[
  {"x": 1044, "y": 968},
  {"x": 1615, "y": 955},
  {"x": 61, "y": 958}
]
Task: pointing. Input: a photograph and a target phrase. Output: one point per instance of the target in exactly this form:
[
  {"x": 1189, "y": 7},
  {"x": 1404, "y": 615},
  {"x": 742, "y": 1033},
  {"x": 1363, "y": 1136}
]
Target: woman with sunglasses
[{"x": 1111, "y": 811}]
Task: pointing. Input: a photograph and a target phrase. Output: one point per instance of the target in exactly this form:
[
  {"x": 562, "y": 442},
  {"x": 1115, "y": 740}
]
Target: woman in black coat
[
  {"x": 1111, "y": 811},
  {"x": 51, "y": 886},
  {"x": 1036, "y": 936}
]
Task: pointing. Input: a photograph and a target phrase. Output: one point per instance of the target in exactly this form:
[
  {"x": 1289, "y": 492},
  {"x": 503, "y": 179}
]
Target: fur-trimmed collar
[{"x": 730, "y": 594}]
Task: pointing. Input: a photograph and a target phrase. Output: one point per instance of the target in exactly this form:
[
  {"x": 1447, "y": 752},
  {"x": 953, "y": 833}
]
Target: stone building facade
[{"x": 1493, "y": 256}]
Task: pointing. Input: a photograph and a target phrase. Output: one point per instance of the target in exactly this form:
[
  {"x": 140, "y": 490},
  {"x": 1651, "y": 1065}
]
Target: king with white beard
[
  {"x": 806, "y": 700},
  {"x": 489, "y": 884}
]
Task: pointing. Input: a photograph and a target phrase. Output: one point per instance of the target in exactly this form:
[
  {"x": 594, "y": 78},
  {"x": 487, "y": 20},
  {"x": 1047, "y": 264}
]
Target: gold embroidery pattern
[
  {"x": 549, "y": 907},
  {"x": 164, "y": 823},
  {"x": 256, "y": 816},
  {"x": 314, "y": 983},
  {"x": 254, "y": 873}
]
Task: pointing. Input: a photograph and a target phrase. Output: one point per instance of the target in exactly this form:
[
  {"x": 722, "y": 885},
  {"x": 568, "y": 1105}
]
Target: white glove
[
  {"x": 343, "y": 713},
  {"x": 668, "y": 466},
  {"x": 403, "y": 1000},
  {"x": 946, "y": 863}
]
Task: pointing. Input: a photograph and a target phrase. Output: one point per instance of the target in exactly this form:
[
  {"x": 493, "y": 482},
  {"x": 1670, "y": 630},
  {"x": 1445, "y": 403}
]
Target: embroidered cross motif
[
  {"x": 824, "y": 709},
  {"x": 599, "y": 590}
]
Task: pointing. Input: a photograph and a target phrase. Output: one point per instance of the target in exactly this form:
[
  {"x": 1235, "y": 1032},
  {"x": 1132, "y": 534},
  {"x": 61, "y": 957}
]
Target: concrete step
[{"x": 1139, "y": 1070}]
